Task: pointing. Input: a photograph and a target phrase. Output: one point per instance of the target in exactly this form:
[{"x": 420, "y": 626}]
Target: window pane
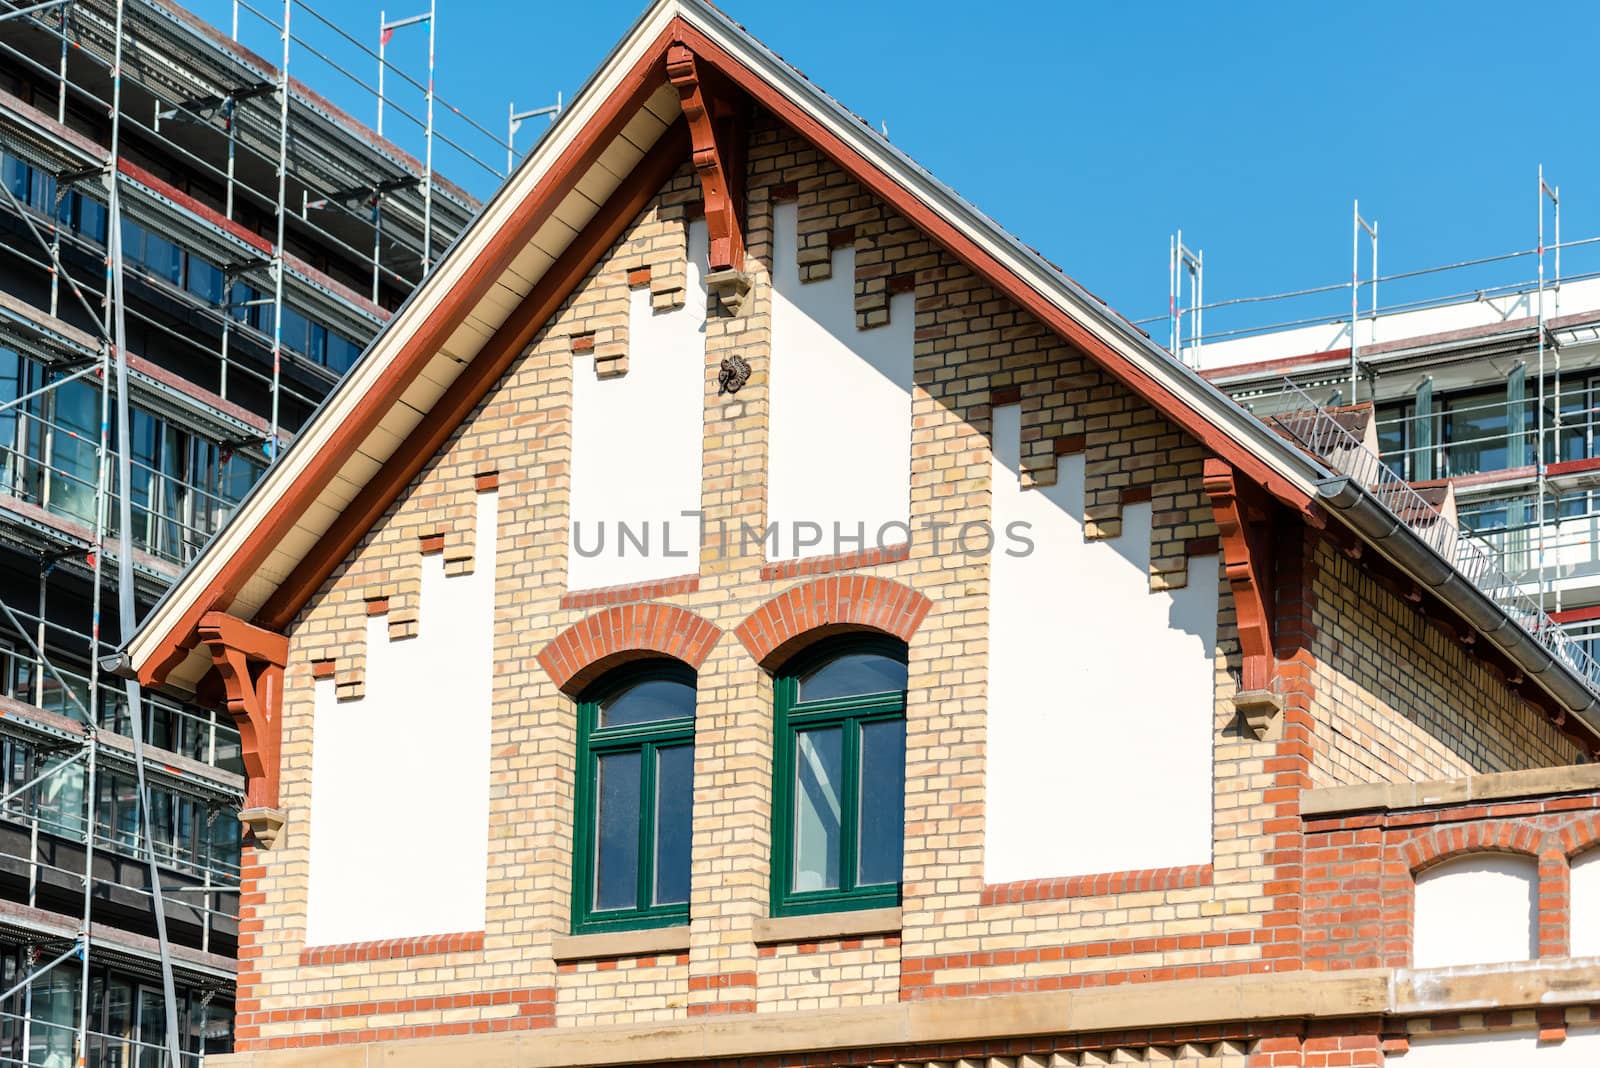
[
  {"x": 616, "y": 848},
  {"x": 72, "y": 447},
  {"x": 851, "y": 674},
  {"x": 818, "y": 776},
  {"x": 650, "y": 701},
  {"x": 674, "y": 807},
  {"x": 883, "y": 787}
]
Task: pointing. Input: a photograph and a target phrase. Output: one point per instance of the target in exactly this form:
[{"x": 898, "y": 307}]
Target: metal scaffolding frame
[
  {"x": 1550, "y": 400},
  {"x": 232, "y": 121}
]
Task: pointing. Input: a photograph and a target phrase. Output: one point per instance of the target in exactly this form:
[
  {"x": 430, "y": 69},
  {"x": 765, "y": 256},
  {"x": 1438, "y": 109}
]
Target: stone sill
[
  {"x": 827, "y": 926},
  {"x": 644, "y": 943},
  {"x": 1329, "y": 800}
]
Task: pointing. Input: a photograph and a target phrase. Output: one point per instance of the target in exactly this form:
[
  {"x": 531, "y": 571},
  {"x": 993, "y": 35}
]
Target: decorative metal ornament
[{"x": 734, "y": 374}]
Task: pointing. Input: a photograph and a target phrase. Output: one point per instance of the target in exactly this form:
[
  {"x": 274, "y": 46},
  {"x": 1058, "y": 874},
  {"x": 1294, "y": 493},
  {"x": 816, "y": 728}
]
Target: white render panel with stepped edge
[
  {"x": 388, "y": 774},
  {"x": 840, "y": 437},
  {"x": 637, "y": 444},
  {"x": 1098, "y": 688}
]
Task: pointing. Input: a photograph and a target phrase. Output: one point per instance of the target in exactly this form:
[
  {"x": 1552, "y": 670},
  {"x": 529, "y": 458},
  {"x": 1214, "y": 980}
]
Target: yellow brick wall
[
  {"x": 1399, "y": 698},
  {"x": 830, "y": 975},
  {"x": 955, "y": 938},
  {"x": 626, "y": 990}
]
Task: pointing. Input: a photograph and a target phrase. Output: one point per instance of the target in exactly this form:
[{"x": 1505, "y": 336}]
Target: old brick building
[{"x": 748, "y": 608}]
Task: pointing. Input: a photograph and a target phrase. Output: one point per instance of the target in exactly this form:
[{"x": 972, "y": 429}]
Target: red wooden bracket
[
  {"x": 250, "y": 662},
  {"x": 716, "y": 128},
  {"x": 1244, "y": 517}
]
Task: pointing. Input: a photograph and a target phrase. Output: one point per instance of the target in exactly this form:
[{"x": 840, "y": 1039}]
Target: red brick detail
[
  {"x": 609, "y": 964},
  {"x": 784, "y": 191},
  {"x": 1445, "y": 843},
  {"x": 377, "y": 606},
  {"x": 722, "y": 1008},
  {"x": 903, "y": 283},
  {"x": 1069, "y": 444},
  {"x": 1001, "y": 396},
  {"x": 1580, "y": 836},
  {"x": 841, "y": 237},
  {"x": 520, "y": 1010},
  {"x": 581, "y": 652},
  {"x": 1136, "y": 494},
  {"x": 431, "y": 543},
  {"x": 391, "y": 948},
  {"x": 1552, "y": 1025},
  {"x": 638, "y": 276},
  {"x": 822, "y": 565},
  {"x": 1118, "y": 882},
  {"x": 484, "y": 481},
  {"x": 1361, "y": 870},
  {"x": 601, "y": 596},
  {"x": 918, "y": 974},
  {"x": 721, "y": 981},
  {"x": 583, "y": 342},
  {"x": 323, "y": 669},
  {"x": 830, "y": 605},
  {"x": 844, "y": 945},
  {"x": 1202, "y": 547}
]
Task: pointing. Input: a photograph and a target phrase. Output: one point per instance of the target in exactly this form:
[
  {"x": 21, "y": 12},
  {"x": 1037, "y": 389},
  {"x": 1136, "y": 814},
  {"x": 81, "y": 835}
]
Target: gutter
[{"x": 1376, "y": 524}]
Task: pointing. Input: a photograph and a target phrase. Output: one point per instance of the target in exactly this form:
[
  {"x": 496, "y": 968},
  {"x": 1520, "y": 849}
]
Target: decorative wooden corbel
[
  {"x": 250, "y": 662},
  {"x": 715, "y": 114},
  {"x": 1244, "y": 516}
]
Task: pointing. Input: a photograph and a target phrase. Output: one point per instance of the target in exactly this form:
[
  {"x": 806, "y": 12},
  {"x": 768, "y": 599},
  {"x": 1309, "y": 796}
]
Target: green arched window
[
  {"x": 839, "y": 777},
  {"x": 635, "y": 802}
]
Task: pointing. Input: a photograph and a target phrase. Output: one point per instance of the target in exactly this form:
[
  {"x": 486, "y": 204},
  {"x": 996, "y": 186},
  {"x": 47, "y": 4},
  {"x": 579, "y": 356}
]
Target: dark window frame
[
  {"x": 646, "y": 739},
  {"x": 850, "y": 713}
]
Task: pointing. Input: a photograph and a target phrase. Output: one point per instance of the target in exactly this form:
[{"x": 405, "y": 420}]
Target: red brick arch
[
  {"x": 1580, "y": 837},
  {"x": 1448, "y": 843},
  {"x": 829, "y": 605},
  {"x": 597, "y": 642}
]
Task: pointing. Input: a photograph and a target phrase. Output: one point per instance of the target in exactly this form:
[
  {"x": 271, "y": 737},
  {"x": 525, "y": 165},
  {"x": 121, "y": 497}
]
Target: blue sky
[{"x": 1094, "y": 130}]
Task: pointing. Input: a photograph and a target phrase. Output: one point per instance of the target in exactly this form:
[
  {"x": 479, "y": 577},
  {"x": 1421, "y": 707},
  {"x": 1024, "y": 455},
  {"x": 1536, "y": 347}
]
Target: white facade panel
[
  {"x": 637, "y": 445},
  {"x": 400, "y": 777},
  {"x": 1585, "y": 899},
  {"x": 1101, "y": 693},
  {"x": 1524, "y": 1050},
  {"x": 840, "y": 424},
  {"x": 1477, "y": 909}
]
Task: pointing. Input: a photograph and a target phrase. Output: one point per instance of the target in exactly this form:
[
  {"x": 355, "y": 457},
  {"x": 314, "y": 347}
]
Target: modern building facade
[
  {"x": 196, "y": 129},
  {"x": 1457, "y": 393},
  {"x": 748, "y": 609}
]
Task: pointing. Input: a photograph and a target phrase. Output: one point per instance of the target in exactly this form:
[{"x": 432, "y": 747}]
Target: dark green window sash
[
  {"x": 595, "y": 742},
  {"x": 849, "y": 714}
]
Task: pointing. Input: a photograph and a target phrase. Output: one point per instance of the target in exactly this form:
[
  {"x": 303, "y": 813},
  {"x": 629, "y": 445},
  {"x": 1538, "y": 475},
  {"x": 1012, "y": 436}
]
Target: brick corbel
[
  {"x": 715, "y": 113},
  {"x": 250, "y": 662},
  {"x": 1244, "y": 519}
]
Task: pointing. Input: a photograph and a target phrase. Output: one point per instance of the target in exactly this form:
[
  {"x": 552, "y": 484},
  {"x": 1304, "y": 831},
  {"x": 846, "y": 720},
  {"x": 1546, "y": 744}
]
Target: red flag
[{"x": 388, "y": 32}]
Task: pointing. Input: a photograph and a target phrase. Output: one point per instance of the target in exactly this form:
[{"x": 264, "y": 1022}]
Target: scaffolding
[
  {"x": 1541, "y": 520},
  {"x": 264, "y": 260}
]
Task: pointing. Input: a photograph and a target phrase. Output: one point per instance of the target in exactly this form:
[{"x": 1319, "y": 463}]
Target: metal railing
[{"x": 1320, "y": 433}]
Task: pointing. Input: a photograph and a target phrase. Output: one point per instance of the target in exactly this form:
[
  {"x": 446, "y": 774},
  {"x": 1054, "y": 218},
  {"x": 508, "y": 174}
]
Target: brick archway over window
[
  {"x": 830, "y": 605},
  {"x": 596, "y": 643},
  {"x": 1450, "y": 843}
]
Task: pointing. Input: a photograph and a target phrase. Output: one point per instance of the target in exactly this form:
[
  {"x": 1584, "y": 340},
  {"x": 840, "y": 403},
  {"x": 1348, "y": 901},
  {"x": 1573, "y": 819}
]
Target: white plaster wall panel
[
  {"x": 1521, "y": 1050},
  {"x": 400, "y": 777},
  {"x": 1101, "y": 693},
  {"x": 1585, "y": 899},
  {"x": 1477, "y": 909},
  {"x": 637, "y": 444},
  {"x": 839, "y": 445}
]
